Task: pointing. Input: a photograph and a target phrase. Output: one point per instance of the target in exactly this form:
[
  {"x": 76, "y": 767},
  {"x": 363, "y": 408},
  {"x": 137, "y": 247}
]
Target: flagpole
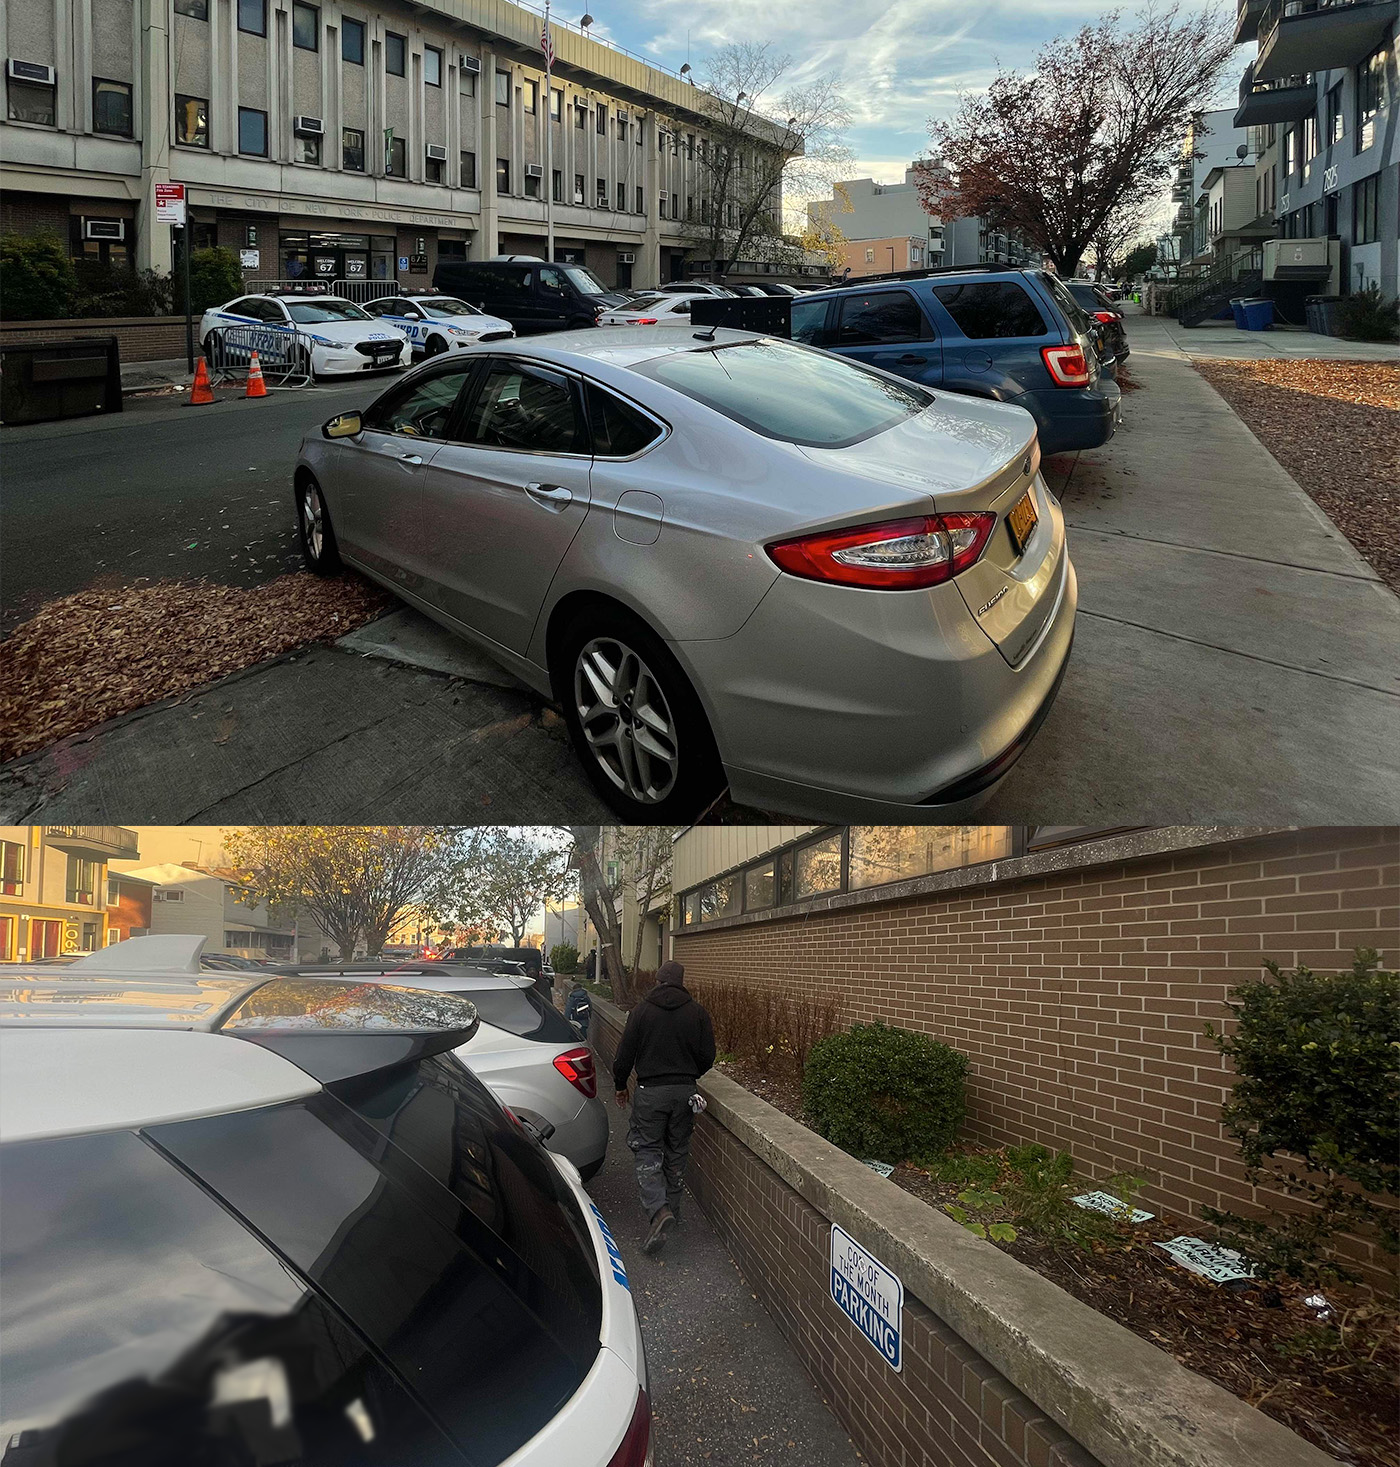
[{"x": 549, "y": 140}]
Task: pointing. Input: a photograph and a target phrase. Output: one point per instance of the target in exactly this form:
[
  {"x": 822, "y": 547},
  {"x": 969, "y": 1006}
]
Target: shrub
[
  {"x": 1317, "y": 1065},
  {"x": 1368, "y": 316},
  {"x": 36, "y": 277},
  {"x": 563, "y": 957},
  {"x": 215, "y": 278},
  {"x": 886, "y": 1093},
  {"x": 115, "y": 290},
  {"x": 773, "y": 1030}
]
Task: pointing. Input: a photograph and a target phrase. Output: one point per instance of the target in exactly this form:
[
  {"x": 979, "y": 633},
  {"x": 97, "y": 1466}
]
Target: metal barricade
[
  {"x": 284, "y": 355},
  {"x": 361, "y": 290}
]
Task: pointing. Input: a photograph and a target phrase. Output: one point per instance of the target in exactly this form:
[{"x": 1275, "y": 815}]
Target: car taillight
[
  {"x": 576, "y": 1066},
  {"x": 896, "y": 555},
  {"x": 635, "y": 1450},
  {"x": 1067, "y": 365},
  {"x": 1107, "y": 318},
  {"x": 645, "y": 321}
]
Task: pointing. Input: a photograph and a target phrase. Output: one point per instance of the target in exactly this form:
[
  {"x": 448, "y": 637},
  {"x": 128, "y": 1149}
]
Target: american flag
[{"x": 546, "y": 45}]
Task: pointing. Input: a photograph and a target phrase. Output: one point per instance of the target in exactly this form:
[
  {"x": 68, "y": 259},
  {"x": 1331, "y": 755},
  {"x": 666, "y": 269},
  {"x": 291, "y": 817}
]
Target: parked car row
[{"x": 285, "y": 1217}]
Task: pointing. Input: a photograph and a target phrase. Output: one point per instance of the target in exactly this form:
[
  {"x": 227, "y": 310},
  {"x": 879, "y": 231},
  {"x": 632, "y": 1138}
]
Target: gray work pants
[{"x": 659, "y": 1136}]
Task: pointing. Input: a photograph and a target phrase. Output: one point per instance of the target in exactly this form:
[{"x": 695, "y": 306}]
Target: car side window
[
  {"x": 525, "y": 408},
  {"x": 681, "y": 308},
  {"x": 985, "y": 309},
  {"x": 421, "y": 408},
  {"x": 619, "y": 430},
  {"x": 809, "y": 321},
  {"x": 885, "y": 316},
  {"x": 552, "y": 280},
  {"x": 1068, "y": 304}
]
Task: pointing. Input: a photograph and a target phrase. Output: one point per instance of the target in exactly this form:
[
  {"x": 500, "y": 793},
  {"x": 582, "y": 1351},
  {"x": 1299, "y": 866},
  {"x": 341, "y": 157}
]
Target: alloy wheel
[
  {"x": 626, "y": 719},
  {"x": 313, "y": 518}
]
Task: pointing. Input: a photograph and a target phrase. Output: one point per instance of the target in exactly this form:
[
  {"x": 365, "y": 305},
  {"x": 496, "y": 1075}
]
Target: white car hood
[
  {"x": 347, "y": 333},
  {"x": 475, "y": 324}
]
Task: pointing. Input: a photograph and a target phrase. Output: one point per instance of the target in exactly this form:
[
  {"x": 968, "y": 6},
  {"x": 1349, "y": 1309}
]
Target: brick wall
[
  {"x": 139, "y": 339},
  {"x": 1080, "y": 997}
]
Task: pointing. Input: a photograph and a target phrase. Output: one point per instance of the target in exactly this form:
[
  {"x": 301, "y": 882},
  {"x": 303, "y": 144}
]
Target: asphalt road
[
  {"x": 725, "y": 1388},
  {"x": 162, "y": 490}
]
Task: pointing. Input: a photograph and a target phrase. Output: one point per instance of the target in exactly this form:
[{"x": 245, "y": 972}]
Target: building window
[
  {"x": 621, "y": 128},
  {"x": 622, "y": 198},
  {"x": 195, "y": 9},
  {"x": 395, "y": 53},
  {"x": 173, "y": 894},
  {"x": 816, "y": 869},
  {"x": 252, "y": 131},
  {"x": 1309, "y": 138},
  {"x": 306, "y": 26},
  {"x": 578, "y": 188},
  {"x": 662, "y": 198},
  {"x": 1336, "y": 124},
  {"x": 556, "y": 105},
  {"x": 432, "y": 66},
  {"x": 760, "y": 886},
  {"x": 719, "y": 899},
  {"x": 883, "y": 853},
  {"x": 111, "y": 107},
  {"x": 45, "y": 939},
  {"x": 641, "y": 200},
  {"x": 1290, "y": 152},
  {"x": 306, "y": 149},
  {"x": 252, "y": 17},
  {"x": 396, "y": 158},
  {"x": 602, "y": 120},
  {"x": 502, "y": 175},
  {"x": 1370, "y": 98},
  {"x": 192, "y": 121},
  {"x": 352, "y": 150},
  {"x": 352, "y": 41},
  {"x": 675, "y": 206},
  {"x": 602, "y": 193},
  {"x": 690, "y": 206},
  {"x": 557, "y": 186},
  {"x": 1365, "y": 210},
  {"x": 870, "y": 257},
  {"x": 468, "y": 161},
  {"x": 532, "y": 185},
  {"x": 690, "y": 145},
  {"x": 580, "y": 112},
  {"x": 11, "y": 867},
  {"x": 530, "y": 96},
  {"x": 33, "y": 102},
  {"x": 9, "y": 930},
  {"x": 503, "y": 89},
  {"x": 466, "y": 83},
  {"x": 82, "y": 881}
]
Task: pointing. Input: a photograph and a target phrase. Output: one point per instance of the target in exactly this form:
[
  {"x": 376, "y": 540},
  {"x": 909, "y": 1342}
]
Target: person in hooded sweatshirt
[{"x": 670, "y": 1042}]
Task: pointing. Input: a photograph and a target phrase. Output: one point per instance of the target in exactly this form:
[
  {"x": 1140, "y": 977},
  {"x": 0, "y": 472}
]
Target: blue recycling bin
[
  {"x": 1237, "y": 308},
  {"x": 1258, "y": 315}
]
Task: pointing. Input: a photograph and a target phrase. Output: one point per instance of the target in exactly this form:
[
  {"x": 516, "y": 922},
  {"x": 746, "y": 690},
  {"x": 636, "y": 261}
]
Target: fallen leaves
[
  {"x": 92, "y": 655},
  {"x": 1335, "y": 427}
]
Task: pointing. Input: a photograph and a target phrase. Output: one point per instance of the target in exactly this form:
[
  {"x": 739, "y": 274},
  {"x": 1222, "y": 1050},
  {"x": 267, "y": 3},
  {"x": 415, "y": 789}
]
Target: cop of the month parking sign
[{"x": 871, "y": 1296}]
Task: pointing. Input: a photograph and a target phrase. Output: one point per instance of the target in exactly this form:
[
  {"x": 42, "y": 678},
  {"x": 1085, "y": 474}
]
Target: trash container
[
  {"x": 44, "y": 380},
  {"x": 1237, "y": 309},
  {"x": 1322, "y": 313},
  {"x": 1258, "y": 315}
]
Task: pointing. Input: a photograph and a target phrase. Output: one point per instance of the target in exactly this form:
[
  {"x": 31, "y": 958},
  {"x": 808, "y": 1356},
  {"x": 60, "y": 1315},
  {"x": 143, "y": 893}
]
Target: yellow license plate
[{"x": 1022, "y": 520}]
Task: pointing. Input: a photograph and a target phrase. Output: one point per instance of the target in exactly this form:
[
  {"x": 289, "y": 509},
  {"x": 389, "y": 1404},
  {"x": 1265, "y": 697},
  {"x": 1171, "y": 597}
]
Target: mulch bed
[
  {"x": 1334, "y": 427},
  {"x": 90, "y": 656},
  {"x": 1262, "y": 1342}
]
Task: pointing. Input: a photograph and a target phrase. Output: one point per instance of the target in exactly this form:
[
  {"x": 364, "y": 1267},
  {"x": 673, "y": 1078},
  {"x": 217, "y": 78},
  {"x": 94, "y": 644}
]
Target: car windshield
[
  {"x": 584, "y": 281},
  {"x": 789, "y": 392},
  {"x": 309, "y": 312},
  {"x": 448, "y": 306}
]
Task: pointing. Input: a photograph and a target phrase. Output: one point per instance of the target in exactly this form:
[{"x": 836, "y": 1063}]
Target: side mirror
[{"x": 343, "y": 425}]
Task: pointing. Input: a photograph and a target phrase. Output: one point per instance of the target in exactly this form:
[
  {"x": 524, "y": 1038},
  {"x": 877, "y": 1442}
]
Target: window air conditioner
[
  {"x": 437, "y": 153},
  {"x": 32, "y": 71},
  {"x": 533, "y": 170},
  {"x": 470, "y": 63},
  {"x": 626, "y": 257},
  {"x": 621, "y": 116},
  {"x": 308, "y": 127},
  {"x": 104, "y": 228}
]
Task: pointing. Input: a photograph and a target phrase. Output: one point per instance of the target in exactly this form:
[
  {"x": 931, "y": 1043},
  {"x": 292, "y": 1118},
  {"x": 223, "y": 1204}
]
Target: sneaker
[{"x": 659, "y": 1226}]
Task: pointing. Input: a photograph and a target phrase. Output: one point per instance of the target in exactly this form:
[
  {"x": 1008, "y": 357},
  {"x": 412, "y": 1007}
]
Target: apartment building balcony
[
  {"x": 1297, "y": 36},
  {"x": 95, "y": 842},
  {"x": 1247, "y": 15},
  {"x": 1182, "y": 192},
  {"x": 1286, "y": 99}
]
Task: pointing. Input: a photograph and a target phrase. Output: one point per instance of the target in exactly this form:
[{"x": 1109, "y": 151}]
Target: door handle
[
  {"x": 410, "y": 458},
  {"x": 910, "y": 359},
  {"x": 552, "y": 496}
]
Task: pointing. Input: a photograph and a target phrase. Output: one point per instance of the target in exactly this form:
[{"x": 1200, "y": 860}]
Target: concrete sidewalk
[
  {"x": 725, "y": 1387},
  {"x": 1222, "y": 339},
  {"x": 1235, "y": 657}
]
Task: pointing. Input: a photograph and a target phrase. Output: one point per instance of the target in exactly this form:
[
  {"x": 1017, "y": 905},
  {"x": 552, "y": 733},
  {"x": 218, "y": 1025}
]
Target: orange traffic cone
[
  {"x": 256, "y": 386},
  {"x": 200, "y": 391}
]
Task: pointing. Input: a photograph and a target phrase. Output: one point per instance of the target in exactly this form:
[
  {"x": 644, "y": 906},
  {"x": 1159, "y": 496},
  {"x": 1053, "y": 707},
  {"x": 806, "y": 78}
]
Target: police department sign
[{"x": 869, "y": 1294}]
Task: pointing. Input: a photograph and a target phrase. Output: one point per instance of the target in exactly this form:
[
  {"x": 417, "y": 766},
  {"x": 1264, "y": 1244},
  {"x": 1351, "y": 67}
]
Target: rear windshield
[
  {"x": 144, "y": 1323},
  {"x": 786, "y": 392},
  {"x": 1071, "y": 307},
  {"x": 309, "y": 312},
  {"x": 522, "y": 1011}
]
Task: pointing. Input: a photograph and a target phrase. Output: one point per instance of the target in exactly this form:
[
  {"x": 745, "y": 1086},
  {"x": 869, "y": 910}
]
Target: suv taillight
[
  {"x": 635, "y": 1450},
  {"x": 895, "y": 555},
  {"x": 1067, "y": 365},
  {"x": 576, "y": 1066},
  {"x": 1107, "y": 318}
]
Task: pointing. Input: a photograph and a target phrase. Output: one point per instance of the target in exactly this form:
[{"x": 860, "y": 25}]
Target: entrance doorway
[{"x": 332, "y": 256}]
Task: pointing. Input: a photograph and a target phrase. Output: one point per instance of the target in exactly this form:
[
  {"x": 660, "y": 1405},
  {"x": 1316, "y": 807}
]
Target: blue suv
[{"x": 1015, "y": 335}]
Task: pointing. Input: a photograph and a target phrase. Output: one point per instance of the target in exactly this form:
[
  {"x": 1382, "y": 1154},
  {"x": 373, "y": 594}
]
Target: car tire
[
  {"x": 434, "y": 346},
  {"x": 655, "y": 760},
  {"x": 319, "y": 548}
]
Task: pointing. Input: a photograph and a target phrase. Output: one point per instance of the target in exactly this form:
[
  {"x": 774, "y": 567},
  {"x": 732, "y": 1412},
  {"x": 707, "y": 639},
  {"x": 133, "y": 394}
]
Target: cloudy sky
[{"x": 902, "y": 60}]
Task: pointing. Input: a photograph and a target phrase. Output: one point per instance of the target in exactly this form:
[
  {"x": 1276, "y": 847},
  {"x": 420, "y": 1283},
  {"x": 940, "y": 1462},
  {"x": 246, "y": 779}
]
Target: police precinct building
[{"x": 343, "y": 141}]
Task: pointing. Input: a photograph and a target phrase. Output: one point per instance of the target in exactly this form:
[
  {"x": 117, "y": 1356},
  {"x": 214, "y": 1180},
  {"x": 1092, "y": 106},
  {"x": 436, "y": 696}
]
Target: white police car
[
  {"x": 436, "y": 323},
  {"x": 322, "y": 334}
]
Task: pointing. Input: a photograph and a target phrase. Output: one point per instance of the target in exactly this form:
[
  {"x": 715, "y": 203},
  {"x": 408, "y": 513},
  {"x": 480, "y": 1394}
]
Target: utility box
[
  {"x": 770, "y": 315},
  {"x": 44, "y": 380}
]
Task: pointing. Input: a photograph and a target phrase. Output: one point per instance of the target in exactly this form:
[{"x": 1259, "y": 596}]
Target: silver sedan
[{"x": 726, "y": 557}]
